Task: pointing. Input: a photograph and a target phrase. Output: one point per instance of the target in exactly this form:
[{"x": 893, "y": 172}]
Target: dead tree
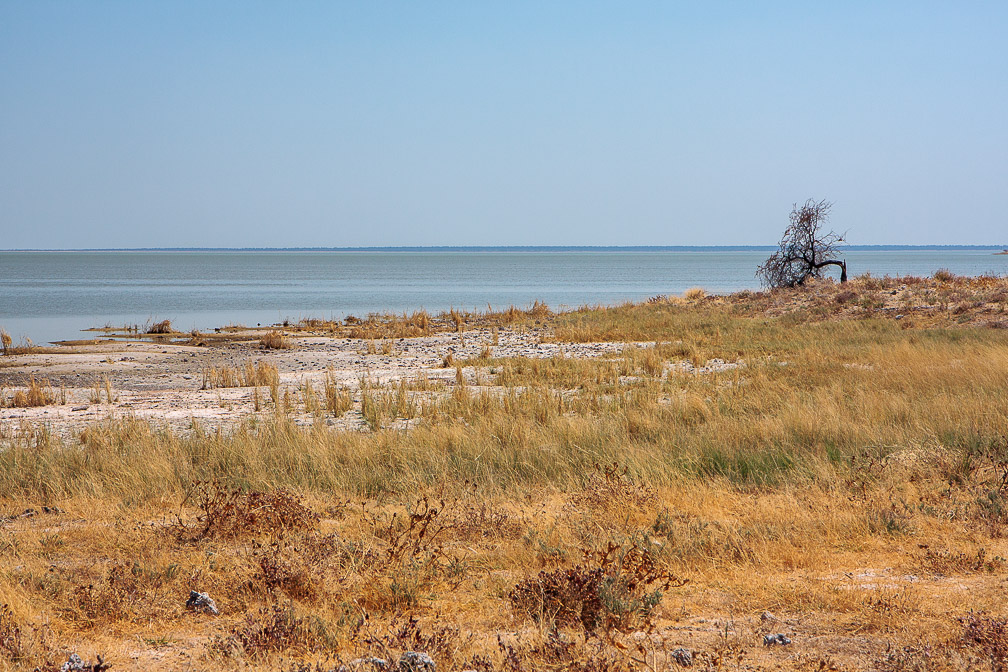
[{"x": 804, "y": 250}]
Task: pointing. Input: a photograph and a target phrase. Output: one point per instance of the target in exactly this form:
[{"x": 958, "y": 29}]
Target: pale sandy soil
[{"x": 162, "y": 382}]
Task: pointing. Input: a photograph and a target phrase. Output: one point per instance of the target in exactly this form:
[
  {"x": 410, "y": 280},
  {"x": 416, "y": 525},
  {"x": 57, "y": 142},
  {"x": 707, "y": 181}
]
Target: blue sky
[{"x": 140, "y": 124}]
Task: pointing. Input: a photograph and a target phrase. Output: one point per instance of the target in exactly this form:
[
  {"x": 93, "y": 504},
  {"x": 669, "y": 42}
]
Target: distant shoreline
[{"x": 512, "y": 248}]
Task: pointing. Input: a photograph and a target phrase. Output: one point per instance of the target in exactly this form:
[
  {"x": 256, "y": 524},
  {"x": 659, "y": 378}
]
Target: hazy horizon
[
  {"x": 493, "y": 248},
  {"x": 251, "y": 125}
]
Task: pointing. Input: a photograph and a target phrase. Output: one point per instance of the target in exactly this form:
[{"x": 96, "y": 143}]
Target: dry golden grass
[
  {"x": 694, "y": 294},
  {"x": 162, "y": 327},
  {"x": 846, "y": 475},
  {"x": 36, "y": 393},
  {"x": 275, "y": 340},
  {"x": 338, "y": 399},
  {"x": 385, "y": 326},
  {"x": 252, "y": 374}
]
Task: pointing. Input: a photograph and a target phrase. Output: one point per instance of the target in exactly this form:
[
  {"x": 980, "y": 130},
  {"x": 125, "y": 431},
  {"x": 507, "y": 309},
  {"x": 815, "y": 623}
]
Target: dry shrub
[
  {"x": 610, "y": 487},
  {"x": 538, "y": 310},
  {"x": 413, "y": 559},
  {"x": 275, "y": 340},
  {"x": 162, "y": 327},
  {"x": 559, "y": 651},
  {"x": 480, "y": 520},
  {"x": 982, "y": 644},
  {"x": 618, "y": 593},
  {"x": 948, "y": 562},
  {"x": 987, "y": 637},
  {"x": 230, "y": 512},
  {"x": 563, "y": 596},
  {"x": 414, "y": 534},
  {"x": 13, "y": 646},
  {"x": 26, "y": 646},
  {"x": 442, "y": 643},
  {"x": 845, "y": 296},
  {"x": 106, "y": 600},
  {"x": 421, "y": 320},
  {"x": 260, "y": 373},
  {"x": 292, "y": 573},
  {"x": 694, "y": 294},
  {"x": 270, "y": 629},
  {"x": 299, "y": 567},
  {"x": 944, "y": 275},
  {"x": 5, "y": 341},
  {"x": 127, "y": 592}
]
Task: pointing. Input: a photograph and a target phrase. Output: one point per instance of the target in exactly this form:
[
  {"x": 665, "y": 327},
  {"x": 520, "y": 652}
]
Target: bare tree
[{"x": 804, "y": 249}]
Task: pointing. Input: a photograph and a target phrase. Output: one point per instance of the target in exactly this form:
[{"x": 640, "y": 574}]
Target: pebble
[
  {"x": 682, "y": 657},
  {"x": 415, "y": 661},
  {"x": 201, "y": 602}
]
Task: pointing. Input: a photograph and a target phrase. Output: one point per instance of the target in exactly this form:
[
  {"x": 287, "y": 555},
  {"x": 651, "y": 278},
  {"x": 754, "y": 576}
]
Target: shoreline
[{"x": 163, "y": 376}]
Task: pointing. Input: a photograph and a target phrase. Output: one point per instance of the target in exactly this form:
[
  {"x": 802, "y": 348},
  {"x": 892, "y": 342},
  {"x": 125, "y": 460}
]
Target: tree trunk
[{"x": 835, "y": 262}]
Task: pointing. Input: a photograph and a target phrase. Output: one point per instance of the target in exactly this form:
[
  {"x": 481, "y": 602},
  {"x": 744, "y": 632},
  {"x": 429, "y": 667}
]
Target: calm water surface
[{"x": 48, "y": 296}]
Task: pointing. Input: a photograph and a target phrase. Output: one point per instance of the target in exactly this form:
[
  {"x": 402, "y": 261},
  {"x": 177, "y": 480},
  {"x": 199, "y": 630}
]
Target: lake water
[{"x": 48, "y": 296}]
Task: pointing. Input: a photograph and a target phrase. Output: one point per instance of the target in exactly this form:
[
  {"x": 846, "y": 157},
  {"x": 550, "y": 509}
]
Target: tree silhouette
[{"x": 804, "y": 250}]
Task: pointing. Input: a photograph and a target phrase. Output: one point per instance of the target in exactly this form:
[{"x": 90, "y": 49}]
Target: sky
[{"x": 245, "y": 124}]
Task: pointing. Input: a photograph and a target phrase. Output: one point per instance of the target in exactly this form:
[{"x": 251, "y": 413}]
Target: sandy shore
[{"x": 163, "y": 382}]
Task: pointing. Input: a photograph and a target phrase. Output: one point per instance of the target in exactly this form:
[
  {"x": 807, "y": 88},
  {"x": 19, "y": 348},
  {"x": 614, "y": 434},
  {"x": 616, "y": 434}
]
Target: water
[{"x": 47, "y": 296}]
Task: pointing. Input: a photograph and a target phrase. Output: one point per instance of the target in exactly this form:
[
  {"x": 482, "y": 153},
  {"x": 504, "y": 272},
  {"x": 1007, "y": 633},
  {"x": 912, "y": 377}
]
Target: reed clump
[
  {"x": 275, "y": 340},
  {"x": 338, "y": 399},
  {"x": 253, "y": 373},
  {"x": 36, "y": 393},
  {"x": 162, "y": 327}
]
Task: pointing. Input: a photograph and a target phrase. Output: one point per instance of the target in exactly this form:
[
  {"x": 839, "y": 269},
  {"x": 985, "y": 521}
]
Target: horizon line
[{"x": 495, "y": 248}]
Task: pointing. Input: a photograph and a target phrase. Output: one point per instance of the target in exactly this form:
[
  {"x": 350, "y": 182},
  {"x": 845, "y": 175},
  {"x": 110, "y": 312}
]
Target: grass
[
  {"x": 387, "y": 326},
  {"x": 36, "y": 393},
  {"x": 250, "y": 374},
  {"x": 338, "y": 399},
  {"x": 162, "y": 327},
  {"x": 845, "y": 473},
  {"x": 275, "y": 340}
]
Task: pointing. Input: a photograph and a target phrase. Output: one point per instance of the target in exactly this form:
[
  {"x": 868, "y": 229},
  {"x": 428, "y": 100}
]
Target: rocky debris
[
  {"x": 75, "y": 663},
  {"x": 410, "y": 661},
  {"x": 767, "y": 617},
  {"x": 415, "y": 661},
  {"x": 201, "y": 603},
  {"x": 682, "y": 657},
  {"x": 776, "y": 639}
]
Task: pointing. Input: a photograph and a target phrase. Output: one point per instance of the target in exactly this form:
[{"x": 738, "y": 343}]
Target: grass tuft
[{"x": 275, "y": 340}]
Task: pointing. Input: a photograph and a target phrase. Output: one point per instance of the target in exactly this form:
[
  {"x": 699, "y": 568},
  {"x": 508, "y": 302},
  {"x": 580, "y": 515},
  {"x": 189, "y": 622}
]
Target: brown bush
[
  {"x": 229, "y": 512},
  {"x": 619, "y": 593},
  {"x": 271, "y": 629},
  {"x": 987, "y": 636}
]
